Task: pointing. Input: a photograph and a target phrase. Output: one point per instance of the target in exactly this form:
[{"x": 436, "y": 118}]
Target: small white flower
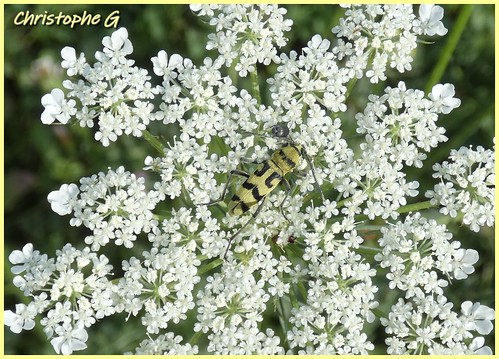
[
  {"x": 165, "y": 344},
  {"x": 70, "y": 338},
  {"x": 57, "y": 108},
  {"x": 480, "y": 317},
  {"x": 23, "y": 258},
  {"x": 443, "y": 99},
  {"x": 318, "y": 43},
  {"x": 62, "y": 201},
  {"x": 164, "y": 65},
  {"x": 430, "y": 16},
  {"x": 195, "y": 7},
  {"x": 22, "y": 319},
  {"x": 477, "y": 347},
  {"x": 465, "y": 258},
  {"x": 118, "y": 43},
  {"x": 70, "y": 62}
]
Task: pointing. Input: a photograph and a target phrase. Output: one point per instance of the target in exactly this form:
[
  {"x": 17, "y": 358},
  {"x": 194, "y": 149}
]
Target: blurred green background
[{"x": 39, "y": 158}]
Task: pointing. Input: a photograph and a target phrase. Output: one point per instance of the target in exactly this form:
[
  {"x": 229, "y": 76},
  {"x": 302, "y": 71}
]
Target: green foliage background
[{"x": 39, "y": 158}]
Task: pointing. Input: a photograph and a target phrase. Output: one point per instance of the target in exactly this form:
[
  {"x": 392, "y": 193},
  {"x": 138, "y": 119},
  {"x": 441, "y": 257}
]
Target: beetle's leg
[
  {"x": 312, "y": 168},
  {"x": 288, "y": 191},
  {"x": 253, "y": 216},
  {"x": 231, "y": 173}
]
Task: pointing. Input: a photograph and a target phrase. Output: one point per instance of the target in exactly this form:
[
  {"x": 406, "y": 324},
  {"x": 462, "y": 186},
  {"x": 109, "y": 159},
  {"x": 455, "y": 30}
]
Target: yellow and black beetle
[{"x": 265, "y": 179}]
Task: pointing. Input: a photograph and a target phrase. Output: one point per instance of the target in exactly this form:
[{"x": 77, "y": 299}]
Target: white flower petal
[
  {"x": 57, "y": 344},
  {"x": 17, "y": 256},
  {"x": 18, "y": 281},
  {"x": 175, "y": 61},
  {"x": 61, "y": 200},
  {"x": 484, "y": 326},
  {"x": 466, "y": 307},
  {"x": 484, "y": 312},
  {"x": 68, "y": 54},
  {"x": 13, "y": 321}
]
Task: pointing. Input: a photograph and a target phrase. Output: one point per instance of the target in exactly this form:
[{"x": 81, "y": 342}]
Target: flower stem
[
  {"x": 154, "y": 142},
  {"x": 414, "y": 207},
  {"x": 212, "y": 265},
  {"x": 283, "y": 319},
  {"x": 449, "y": 47},
  {"x": 351, "y": 85},
  {"x": 371, "y": 251},
  {"x": 255, "y": 86},
  {"x": 378, "y": 313},
  {"x": 195, "y": 337}
]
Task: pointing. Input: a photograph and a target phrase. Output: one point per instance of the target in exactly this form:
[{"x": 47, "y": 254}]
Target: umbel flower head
[
  {"x": 72, "y": 290},
  {"x": 301, "y": 255},
  {"x": 112, "y": 92},
  {"x": 467, "y": 186},
  {"x": 113, "y": 205},
  {"x": 248, "y": 34}
]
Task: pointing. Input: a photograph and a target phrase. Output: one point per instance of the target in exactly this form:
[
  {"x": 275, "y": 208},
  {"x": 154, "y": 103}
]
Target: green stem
[
  {"x": 194, "y": 339},
  {"x": 282, "y": 317},
  {"x": 303, "y": 290},
  {"x": 449, "y": 47},
  {"x": 304, "y": 111},
  {"x": 255, "y": 86},
  {"x": 365, "y": 227},
  {"x": 414, "y": 207},
  {"x": 378, "y": 313},
  {"x": 350, "y": 87},
  {"x": 154, "y": 142},
  {"x": 368, "y": 250},
  {"x": 212, "y": 265}
]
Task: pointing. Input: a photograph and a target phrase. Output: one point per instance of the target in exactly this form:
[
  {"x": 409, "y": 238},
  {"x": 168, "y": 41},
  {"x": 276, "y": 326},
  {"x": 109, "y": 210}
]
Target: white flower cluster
[
  {"x": 417, "y": 253},
  {"x": 112, "y": 92},
  {"x": 163, "y": 281},
  {"x": 205, "y": 106},
  {"x": 401, "y": 124},
  {"x": 427, "y": 325},
  {"x": 310, "y": 79},
  {"x": 165, "y": 344},
  {"x": 466, "y": 185},
  {"x": 197, "y": 98},
  {"x": 384, "y": 35},
  {"x": 302, "y": 255},
  {"x": 339, "y": 302},
  {"x": 232, "y": 303},
  {"x": 417, "y": 250},
  {"x": 114, "y": 205},
  {"x": 185, "y": 168},
  {"x": 399, "y": 127},
  {"x": 73, "y": 291},
  {"x": 246, "y": 33}
]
